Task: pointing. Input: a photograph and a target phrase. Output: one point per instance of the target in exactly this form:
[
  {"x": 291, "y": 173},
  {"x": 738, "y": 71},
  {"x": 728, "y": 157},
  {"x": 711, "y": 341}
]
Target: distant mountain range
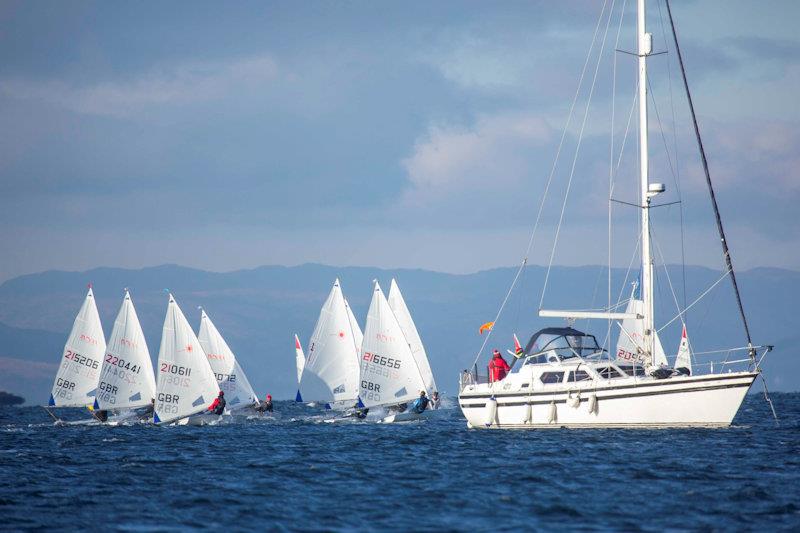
[{"x": 259, "y": 310}]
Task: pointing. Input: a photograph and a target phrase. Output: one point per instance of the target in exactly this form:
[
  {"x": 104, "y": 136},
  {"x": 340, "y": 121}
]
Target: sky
[{"x": 228, "y": 135}]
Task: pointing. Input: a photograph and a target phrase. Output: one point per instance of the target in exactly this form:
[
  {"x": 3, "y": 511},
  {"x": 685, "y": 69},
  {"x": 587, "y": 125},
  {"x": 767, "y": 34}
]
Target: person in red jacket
[
  {"x": 498, "y": 368},
  {"x": 218, "y": 405}
]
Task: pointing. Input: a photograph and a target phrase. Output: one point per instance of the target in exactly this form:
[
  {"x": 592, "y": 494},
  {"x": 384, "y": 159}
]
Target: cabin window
[
  {"x": 580, "y": 375},
  {"x": 608, "y": 372},
  {"x": 551, "y": 377},
  {"x": 632, "y": 370}
]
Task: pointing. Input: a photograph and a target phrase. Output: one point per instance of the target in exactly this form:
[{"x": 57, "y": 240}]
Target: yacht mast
[{"x": 645, "y": 41}]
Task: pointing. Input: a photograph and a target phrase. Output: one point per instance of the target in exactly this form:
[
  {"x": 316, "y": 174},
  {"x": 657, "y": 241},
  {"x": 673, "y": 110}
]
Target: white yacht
[{"x": 563, "y": 378}]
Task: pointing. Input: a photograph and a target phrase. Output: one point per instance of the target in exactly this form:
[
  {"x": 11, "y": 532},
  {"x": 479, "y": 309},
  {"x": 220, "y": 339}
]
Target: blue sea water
[{"x": 299, "y": 472}]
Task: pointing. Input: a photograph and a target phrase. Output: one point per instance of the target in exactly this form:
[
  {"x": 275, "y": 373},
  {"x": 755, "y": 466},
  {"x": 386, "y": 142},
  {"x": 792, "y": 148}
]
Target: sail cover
[
  {"x": 230, "y": 377},
  {"x": 631, "y": 338},
  {"x": 330, "y": 373},
  {"x": 401, "y": 312},
  {"x": 126, "y": 379},
  {"x": 389, "y": 372},
  {"x": 684, "y": 358},
  {"x": 79, "y": 373},
  {"x": 186, "y": 383}
]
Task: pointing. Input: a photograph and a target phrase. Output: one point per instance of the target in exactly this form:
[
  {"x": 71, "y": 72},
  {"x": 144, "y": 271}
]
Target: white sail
[
  {"x": 401, "y": 312},
  {"x": 299, "y": 358},
  {"x": 630, "y": 345},
  {"x": 389, "y": 372},
  {"x": 79, "y": 373},
  {"x": 126, "y": 379},
  {"x": 230, "y": 377},
  {"x": 358, "y": 336},
  {"x": 186, "y": 383},
  {"x": 684, "y": 358},
  {"x": 330, "y": 374}
]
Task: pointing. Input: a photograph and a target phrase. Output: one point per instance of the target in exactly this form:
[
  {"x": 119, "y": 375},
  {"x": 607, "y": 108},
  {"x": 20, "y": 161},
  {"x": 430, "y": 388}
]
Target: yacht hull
[{"x": 696, "y": 401}]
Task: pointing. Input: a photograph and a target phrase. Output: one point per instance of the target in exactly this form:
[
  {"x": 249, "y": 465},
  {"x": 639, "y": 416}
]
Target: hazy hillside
[{"x": 259, "y": 310}]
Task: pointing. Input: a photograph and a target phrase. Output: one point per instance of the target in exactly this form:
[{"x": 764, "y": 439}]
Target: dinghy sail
[
  {"x": 683, "y": 362},
  {"x": 299, "y": 359},
  {"x": 330, "y": 373},
  {"x": 389, "y": 372},
  {"x": 401, "y": 312},
  {"x": 186, "y": 383},
  {"x": 126, "y": 379},
  {"x": 79, "y": 373},
  {"x": 230, "y": 376},
  {"x": 630, "y": 345}
]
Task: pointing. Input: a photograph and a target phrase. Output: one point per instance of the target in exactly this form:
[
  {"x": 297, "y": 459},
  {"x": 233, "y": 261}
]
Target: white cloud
[
  {"x": 182, "y": 84},
  {"x": 495, "y": 152}
]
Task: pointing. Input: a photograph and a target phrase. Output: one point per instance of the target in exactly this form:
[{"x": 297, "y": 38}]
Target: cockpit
[{"x": 552, "y": 345}]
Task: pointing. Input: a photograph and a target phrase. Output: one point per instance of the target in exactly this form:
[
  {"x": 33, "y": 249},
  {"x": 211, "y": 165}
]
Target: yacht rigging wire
[{"x": 552, "y": 172}]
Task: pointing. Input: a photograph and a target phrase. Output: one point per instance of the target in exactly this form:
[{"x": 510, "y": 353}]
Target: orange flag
[{"x": 486, "y": 327}]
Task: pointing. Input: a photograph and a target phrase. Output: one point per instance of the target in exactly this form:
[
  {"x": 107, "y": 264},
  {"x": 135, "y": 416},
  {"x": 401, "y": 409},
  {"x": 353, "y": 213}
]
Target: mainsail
[
  {"x": 126, "y": 379},
  {"x": 684, "y": 358},
  {"x": 330, "y": 373},
  {"x": 401, "y": 312},
  {"x": 230, "y": 377},
  {"x": 79, "y": 374},
  {"x": 389, "y": 372},
  {"x": 630, "y": 345},
  {"x": 300, "y": 362},
  {"x": 186, "y": 383}
]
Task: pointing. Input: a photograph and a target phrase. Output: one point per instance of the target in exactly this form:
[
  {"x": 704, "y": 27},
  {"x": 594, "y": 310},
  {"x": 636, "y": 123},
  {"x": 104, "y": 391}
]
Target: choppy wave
[{"x": 297, "y": 470}]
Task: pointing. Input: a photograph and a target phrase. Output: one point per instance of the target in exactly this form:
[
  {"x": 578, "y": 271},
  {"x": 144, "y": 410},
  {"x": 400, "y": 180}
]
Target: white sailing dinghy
[
  {"x": 565, "y": 378},
  {"x": 630, "y": 344},
  {"x": 390, "y": 374},
  {"x": 79, "y": 373},
  {"x": 126, "y": 378},
  {"x": 401, "y": 312},
  {"x": 186, "y": 383},
  {"x": 330, "y": 372},
  {"x": 230, "y": 377},
  {"x": 300, "y": 362}
]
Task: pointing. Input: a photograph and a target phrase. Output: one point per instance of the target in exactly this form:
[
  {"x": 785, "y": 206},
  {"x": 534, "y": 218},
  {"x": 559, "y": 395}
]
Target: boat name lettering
[
  {"x": 127, "y": 342},
  {"x": 225, "y": 377},
  {"x": 87, "y": 338},
  {"x": 219, "y": 356}
]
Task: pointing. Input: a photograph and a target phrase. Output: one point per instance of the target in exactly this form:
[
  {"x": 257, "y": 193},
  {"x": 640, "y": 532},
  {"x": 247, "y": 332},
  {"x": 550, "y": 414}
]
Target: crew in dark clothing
[
  {"x": 266, "y": 405},
  {"x": 101, "y": 415},
  {"x": 498, "y": 368},
  {"x": 360, "y": 412},
  {"x": 218, "y": 405},
  {"x": 420, "y": 404},
  {"x": 146, "y": 413}
]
